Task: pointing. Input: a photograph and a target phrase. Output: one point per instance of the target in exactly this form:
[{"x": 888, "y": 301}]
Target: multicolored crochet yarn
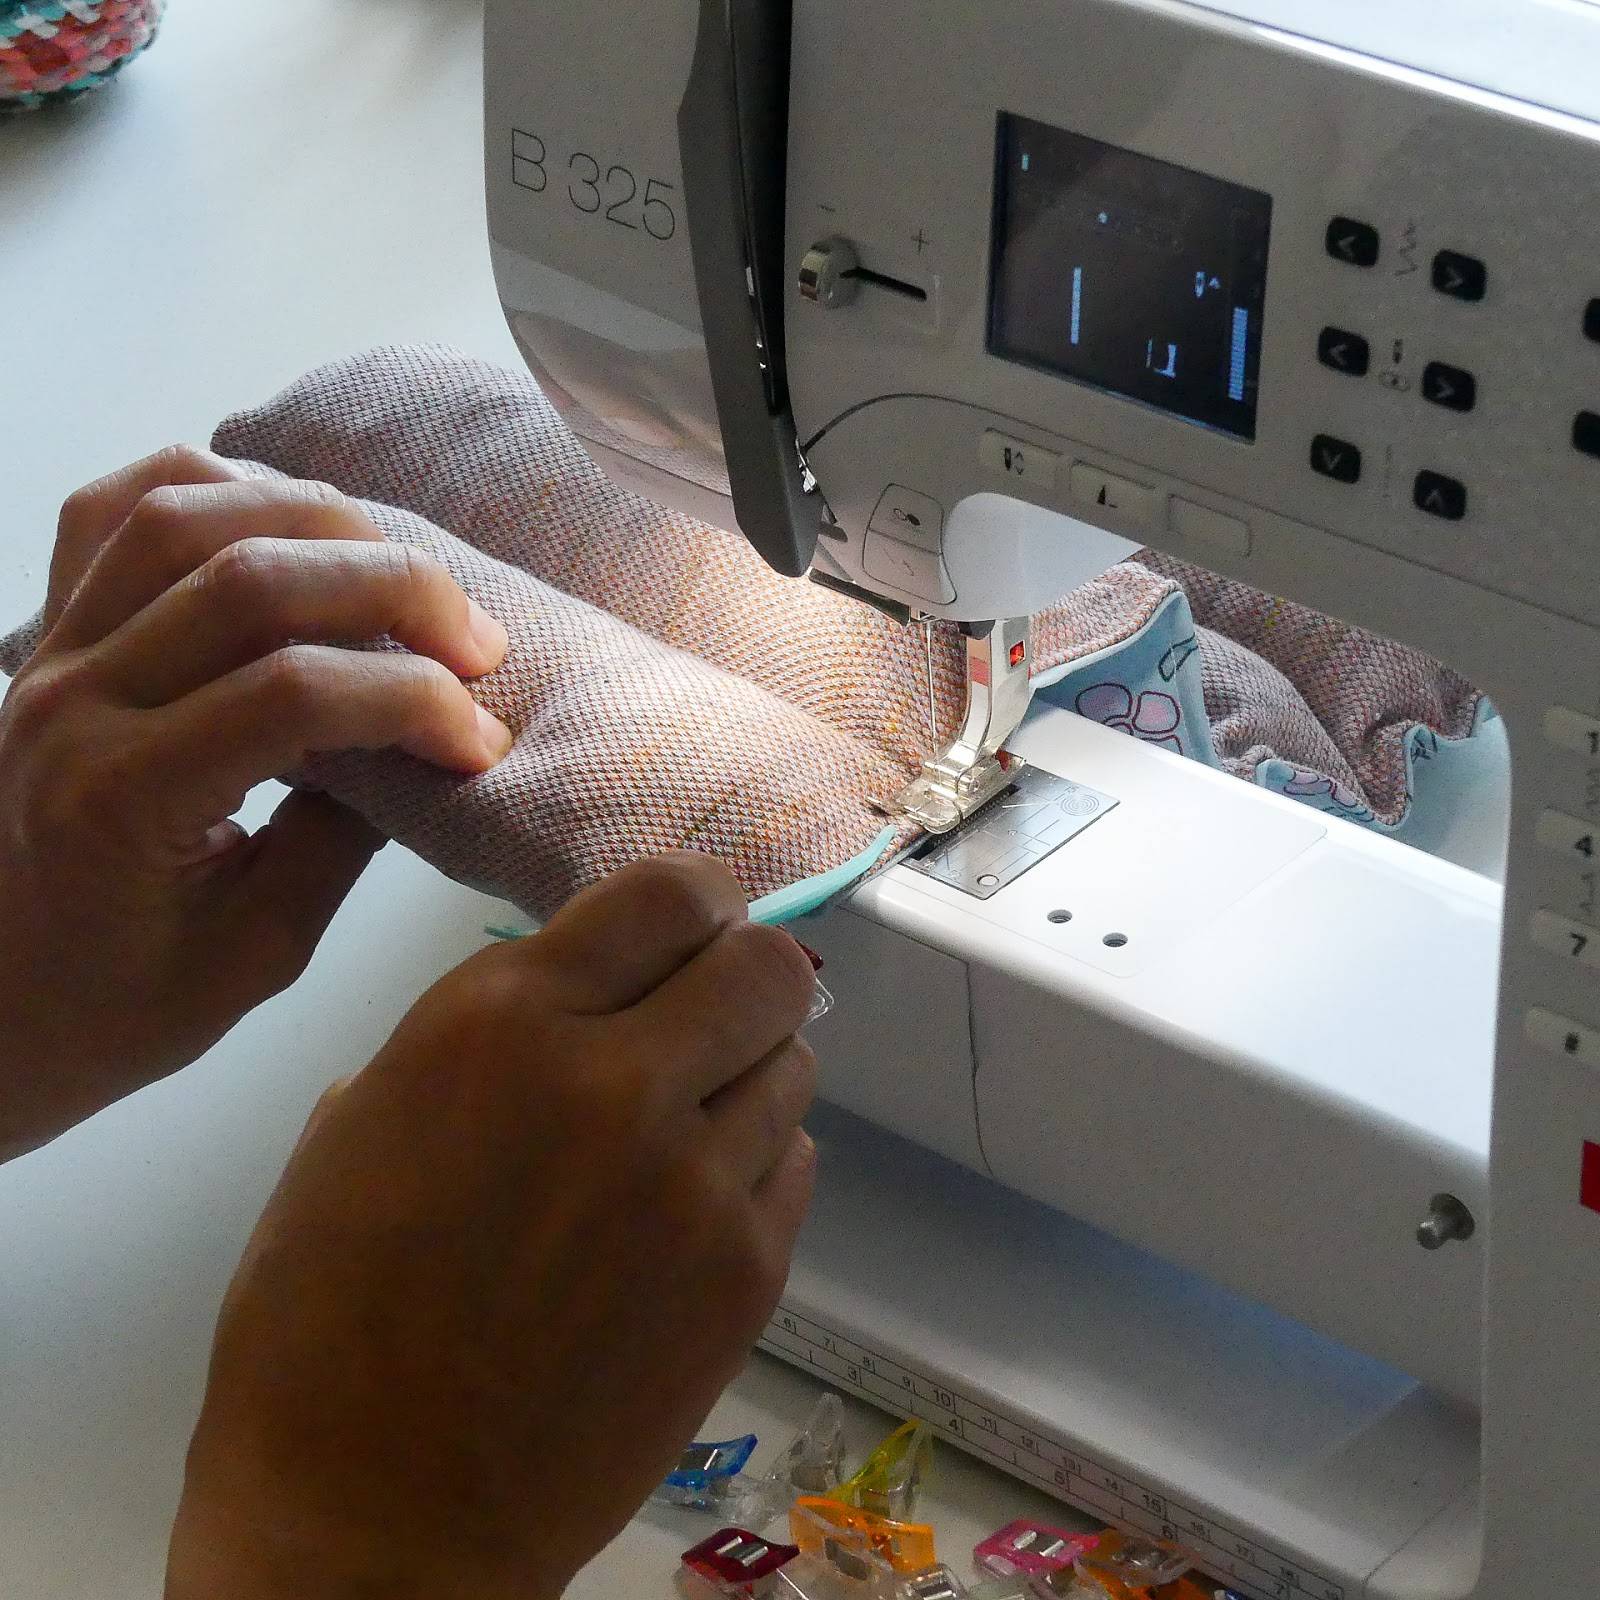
[{"x": 53, "y": 48}]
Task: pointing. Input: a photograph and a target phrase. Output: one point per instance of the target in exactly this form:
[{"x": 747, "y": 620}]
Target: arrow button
[
  {"x": 1461, "y": 277},
  {"x": 1354, "y": 243},
  {"x": 1336, "y": 459},
  {"x": 1440, "y": 496},
  {"x": 1586, "y": 433},
  {"x": 1450, "y": 387},
  {"x": 1344, "y": 352}
]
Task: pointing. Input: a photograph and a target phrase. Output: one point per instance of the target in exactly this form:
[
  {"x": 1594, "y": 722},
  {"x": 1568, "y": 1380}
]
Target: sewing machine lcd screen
[{"x": 1128, "y": 273}]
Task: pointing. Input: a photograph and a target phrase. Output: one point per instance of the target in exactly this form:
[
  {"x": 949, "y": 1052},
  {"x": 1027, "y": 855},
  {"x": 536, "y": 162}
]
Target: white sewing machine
[{"x": 1251, "y": 1075}]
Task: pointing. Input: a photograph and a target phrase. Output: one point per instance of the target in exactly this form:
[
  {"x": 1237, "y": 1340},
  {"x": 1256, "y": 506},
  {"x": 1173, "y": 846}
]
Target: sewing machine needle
[{"x": 927, "y": 650}]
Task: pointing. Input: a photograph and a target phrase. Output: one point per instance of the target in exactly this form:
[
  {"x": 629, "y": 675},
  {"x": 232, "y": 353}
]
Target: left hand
[{"x": 179, "y": 668}]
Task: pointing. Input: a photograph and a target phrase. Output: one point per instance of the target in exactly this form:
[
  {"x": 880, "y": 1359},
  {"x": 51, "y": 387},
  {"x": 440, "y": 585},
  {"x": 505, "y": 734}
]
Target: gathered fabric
[{"x": 668, "y": 690}]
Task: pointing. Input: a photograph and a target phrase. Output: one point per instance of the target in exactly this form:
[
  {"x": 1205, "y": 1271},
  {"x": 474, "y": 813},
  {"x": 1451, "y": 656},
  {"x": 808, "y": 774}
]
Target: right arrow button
[
  {"x": 1448, "y": 386},
  {"x": 1461, "y": 277}
]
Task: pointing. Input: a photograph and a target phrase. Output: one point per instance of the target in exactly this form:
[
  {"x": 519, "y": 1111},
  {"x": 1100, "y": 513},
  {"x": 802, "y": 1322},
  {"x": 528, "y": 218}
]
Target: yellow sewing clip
[
  {"x": 889, "y": 1479},
  {"x": 828, "y": 1530}
]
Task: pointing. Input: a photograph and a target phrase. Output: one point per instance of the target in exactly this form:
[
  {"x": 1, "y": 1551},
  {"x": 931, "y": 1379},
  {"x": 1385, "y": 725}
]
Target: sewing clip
[
  {"x": 1032, "y": 1548},
  {"x": 704, "y": 1474},
  {"x": 735, "y": 1562},
  {"x": 889, "y": 1479},
  {"x": 843, "y": 1534}
]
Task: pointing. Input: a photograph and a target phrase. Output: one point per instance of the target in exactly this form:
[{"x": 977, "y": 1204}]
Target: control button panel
[
  {"x": 1405, "y": 371},
  {"x": 1461, "y": 277},
  {"x": 1335, "y": 458},
  {"x": 1577, "y": 1041},
  {"x": 910, "y": 517},
  {"x": 1561, "y": 936},
  {"x": 1440, "y": 496},
  {"x": 1344, "y": 352},
  {"x": 1092, "y": 486},
  {"x": 1572, "y": 730},
  {"x": 1018, "y": 460},
  {"x": 1355, "y": 243},
  {"x": 1452, "y": 387},
  {"x": 1205, "y": 526},
  {"x": 907, "y": 567}
]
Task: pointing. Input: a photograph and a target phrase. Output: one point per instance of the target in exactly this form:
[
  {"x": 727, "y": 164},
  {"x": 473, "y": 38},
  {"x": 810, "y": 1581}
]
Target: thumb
[{"x": 301, "y": 867}]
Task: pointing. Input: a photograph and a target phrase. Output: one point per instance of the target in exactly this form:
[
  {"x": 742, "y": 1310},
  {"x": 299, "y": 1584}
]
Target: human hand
[
  {"x": 511, "y": 1265},
  {"x": 180, "y": 667}
]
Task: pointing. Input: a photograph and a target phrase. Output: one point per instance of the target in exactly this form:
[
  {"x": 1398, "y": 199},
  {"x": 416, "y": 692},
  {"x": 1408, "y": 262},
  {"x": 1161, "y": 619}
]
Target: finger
[
  {"x": 209, "y": 749},
  {"x": 296, "y": 872},
  {"x": 616, "y": 941},
  {"x": 260, "y": 594},
  {"x": 742, "y": 996},
  {"x": 173, "y": 531},
  {"x": 783, "y": 1198},
  {"x": 93, "y": 513},
  {"x": 754, "y": 1118}
]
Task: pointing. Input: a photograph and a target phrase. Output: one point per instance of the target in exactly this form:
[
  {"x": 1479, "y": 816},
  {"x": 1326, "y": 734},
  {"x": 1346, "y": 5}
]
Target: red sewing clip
[
  {"x": 821, "y": 1001},
  {"x": 738, "y": 1563}
]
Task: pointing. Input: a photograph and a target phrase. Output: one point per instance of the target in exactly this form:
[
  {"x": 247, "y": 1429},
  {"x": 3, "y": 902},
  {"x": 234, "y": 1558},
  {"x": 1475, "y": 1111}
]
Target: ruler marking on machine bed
[{"x": 1065, "y": 1471}]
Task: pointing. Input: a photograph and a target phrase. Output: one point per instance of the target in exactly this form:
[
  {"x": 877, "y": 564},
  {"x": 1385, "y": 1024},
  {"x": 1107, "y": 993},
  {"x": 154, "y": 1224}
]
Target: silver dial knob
[{"x": 828, "y": 274}]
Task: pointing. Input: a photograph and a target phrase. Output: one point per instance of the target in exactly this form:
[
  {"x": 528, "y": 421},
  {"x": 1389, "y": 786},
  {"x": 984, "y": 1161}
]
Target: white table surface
[{"x": 272, "y": 187}]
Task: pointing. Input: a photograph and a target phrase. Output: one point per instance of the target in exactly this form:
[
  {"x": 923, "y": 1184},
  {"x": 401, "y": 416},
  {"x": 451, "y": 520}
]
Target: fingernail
[
  {"x": 489, "y": 636},
  {"x": 497, "y": 737}
]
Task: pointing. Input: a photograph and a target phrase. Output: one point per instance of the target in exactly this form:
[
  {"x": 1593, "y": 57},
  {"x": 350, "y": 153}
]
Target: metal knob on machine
[
  {"x": 828, "y": 274},
  {"x": 1448, "y": 1221}
]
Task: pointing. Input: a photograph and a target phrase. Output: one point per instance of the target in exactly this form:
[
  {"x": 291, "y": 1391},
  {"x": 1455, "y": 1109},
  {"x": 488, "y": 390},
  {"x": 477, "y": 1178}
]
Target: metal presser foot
[{"x": 969, "y": 772}]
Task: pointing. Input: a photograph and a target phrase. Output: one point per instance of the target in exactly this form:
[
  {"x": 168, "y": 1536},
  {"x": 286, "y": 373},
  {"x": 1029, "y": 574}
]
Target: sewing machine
[{"x": 1211, "y": 1230}]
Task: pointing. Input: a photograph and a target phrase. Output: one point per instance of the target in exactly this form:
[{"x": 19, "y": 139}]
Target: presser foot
[
  {"x": 973, "y": 768},
  {"x": 947, "y": 793}
]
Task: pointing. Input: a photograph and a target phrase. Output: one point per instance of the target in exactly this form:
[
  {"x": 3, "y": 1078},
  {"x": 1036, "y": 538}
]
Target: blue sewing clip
[{"x": 705, "y": 1473}]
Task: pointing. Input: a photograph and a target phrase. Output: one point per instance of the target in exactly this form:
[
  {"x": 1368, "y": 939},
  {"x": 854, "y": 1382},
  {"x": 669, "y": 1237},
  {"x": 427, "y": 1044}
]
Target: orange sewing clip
[
  {"x": 1121, "y": 1567},
  {"x": 818, "y": 1524},
  {"x": 1190, "y": 1588}
]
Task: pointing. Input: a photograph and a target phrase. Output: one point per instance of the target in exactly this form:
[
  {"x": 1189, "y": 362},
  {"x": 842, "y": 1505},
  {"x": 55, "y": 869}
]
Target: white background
[{"x": 273, "y": 186}]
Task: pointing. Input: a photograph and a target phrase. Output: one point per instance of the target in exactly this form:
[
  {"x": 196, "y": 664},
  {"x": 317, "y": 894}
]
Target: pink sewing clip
[{"x": 1030, "y": 1547}]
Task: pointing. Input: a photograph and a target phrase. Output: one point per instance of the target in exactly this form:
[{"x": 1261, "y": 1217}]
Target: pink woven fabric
[
  {"x": 1281, "y": 679},
  {"x": 667, "y": 689},
  {"x": 480, "y": 451}
]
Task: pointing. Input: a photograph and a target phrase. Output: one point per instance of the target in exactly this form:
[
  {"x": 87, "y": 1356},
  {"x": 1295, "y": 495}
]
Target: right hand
[{"x": 513, "y": 1263}]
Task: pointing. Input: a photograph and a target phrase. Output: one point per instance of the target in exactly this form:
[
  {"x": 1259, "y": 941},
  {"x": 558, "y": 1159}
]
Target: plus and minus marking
[{"x": 919, "y": 239}]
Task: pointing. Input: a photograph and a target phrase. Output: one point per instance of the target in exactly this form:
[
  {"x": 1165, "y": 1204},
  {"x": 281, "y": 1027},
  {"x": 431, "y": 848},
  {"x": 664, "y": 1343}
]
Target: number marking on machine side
[{"x": 1063, "y": 1470}]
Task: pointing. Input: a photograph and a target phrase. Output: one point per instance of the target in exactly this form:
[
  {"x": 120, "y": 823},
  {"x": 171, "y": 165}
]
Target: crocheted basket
[{"x": 50, "y": 49}]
